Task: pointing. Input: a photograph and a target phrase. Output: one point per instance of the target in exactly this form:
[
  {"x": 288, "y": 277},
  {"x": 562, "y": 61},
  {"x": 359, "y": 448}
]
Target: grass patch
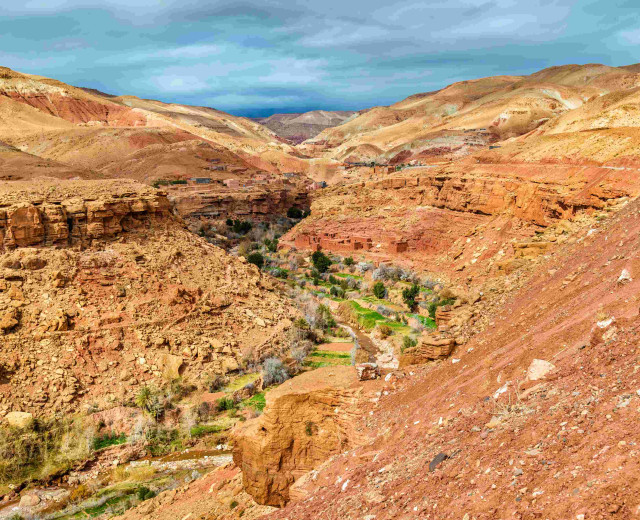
[
  {"x": 427, "y": 322},
  {"x": 330, "y": 354},
  {"x": 346, "y": 275},
  {"x": 257, "y": 402},
  {"x": 111, "y": 439},
  {"x": 205, "y": 429},
  {"x": 366, "y": 317},
  {"x": 241, "y": 382}
]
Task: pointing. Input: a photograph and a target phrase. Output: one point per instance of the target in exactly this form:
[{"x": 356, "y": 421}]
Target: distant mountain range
[{"x": 300, "y": 127}]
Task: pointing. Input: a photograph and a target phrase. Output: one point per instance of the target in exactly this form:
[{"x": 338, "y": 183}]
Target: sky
[{"x": 258, "y": 57}]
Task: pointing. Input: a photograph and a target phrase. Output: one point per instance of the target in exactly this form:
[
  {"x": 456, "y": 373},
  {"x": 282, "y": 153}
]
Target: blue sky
[{"x": 254, "y": 58}]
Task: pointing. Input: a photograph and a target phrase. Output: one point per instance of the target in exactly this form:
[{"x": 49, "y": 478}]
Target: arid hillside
[
  {"x": 462, "y": 117},
  {"x": 103, "y": 291},
  {"x": 52, "y": 120}
]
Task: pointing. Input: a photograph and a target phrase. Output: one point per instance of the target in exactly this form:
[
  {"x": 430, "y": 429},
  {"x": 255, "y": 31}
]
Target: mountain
[
  {"x": 300, "y": 127},
  {"x": 469, "y": 115}
]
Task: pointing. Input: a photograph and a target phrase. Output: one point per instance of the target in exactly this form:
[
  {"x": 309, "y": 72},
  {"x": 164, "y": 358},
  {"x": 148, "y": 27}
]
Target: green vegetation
[
  {"x": 379, "y": 290},
  {"x": 51, "y": 447},
  {"x": 409, "y": 296},
  {"x": 257, "y": 402},
  {"x": 225, "y": 403},
  {"x": 104, "y": 441},
  {"x": 161, "y": 441},
  {"x": 348, "y": 261},
  {"x": 271, "y": 245},
  {"x": 321, "y": 261},
  {"x": 434, "y": 305},
  {"x": 242, "y": 227},
  {"x": 408, "y": 342},
  {"x": 427, "y": 322},
  {"x": 205, "y": 429},
  {"x": 256, "y": 259},
  {"x": 295, "y": 213}
]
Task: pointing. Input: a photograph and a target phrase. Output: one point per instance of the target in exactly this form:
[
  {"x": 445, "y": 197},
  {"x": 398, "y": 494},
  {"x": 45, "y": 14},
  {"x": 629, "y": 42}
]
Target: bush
[
  {"x": 409, "y": 296},
  {"x": 271, "y": 245},
  {"x": 295, "y": 213},
  {"x": 408, "y": 342},
  {"x": 321, "y": 261},
  {"x": 379, "y": 290},
  {"x": 338, "y": 292},
  {"x": 385, "y": 330},
  {"x": 241, "y": 227},
  {"x": 144, "y": 493},
  {"x": 225, "y": 403},
  {"x": 348, "y": 261},
  {"x": 274, "y": 372},
  {"x": 256, "y": 259}
]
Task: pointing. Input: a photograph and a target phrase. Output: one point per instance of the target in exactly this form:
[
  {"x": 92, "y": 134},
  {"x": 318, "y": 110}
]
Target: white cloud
[{"x": 629, "y": 37}]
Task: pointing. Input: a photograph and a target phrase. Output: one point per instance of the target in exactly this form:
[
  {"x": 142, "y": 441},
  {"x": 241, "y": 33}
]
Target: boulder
[
  {"x": 19, "y": 419},
  {"x": 28, "y": 501},
  {"x": 170, "y": 366},
  {"x": 538, "y": 369},
  {"x": 367, "y": 371}
]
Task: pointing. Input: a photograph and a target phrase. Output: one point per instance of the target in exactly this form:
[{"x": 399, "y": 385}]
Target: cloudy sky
[{"x": 257, "y": 57}]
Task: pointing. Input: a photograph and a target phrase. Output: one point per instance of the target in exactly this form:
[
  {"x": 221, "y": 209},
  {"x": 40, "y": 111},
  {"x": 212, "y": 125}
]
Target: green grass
[
  {"x": 205, "y": 429},
  {"x": 347, "y": 275},
  {"x": 330, "y": 354},
  {"x": 241, "y": 382},
  {"x": 427, "y": 322},
  {"x": 111, "y": 439},
  {"x": 325, "y": 358},
  {"x": 366, "y": 317},
  {"x": 257, "y": 402}
]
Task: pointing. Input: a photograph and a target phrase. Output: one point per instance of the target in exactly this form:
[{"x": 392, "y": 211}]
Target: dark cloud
[{"x": 255, "y": 57}]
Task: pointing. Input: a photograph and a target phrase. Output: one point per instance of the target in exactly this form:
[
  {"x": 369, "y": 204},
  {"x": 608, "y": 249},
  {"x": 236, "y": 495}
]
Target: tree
[
  {"x": 348, "y": 261},
  {"x": 379, "y": 290},
  {"x": 409, "y": 296},
  {"x": 256, "y": 259},
  {"x": 295, "y": 213},
  {"x": 321, "y": 261}
]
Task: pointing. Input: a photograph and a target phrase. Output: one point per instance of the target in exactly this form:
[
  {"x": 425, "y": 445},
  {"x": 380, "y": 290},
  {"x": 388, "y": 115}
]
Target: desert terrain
[{"x": 421, "y": 310}]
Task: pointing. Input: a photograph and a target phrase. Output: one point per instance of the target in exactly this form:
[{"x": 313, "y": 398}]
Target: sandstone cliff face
[
  {"x": 461, "y": 217},
  {"x": 259, "y": 204},
  {"x": 102, "y": 291},
  {"x": 58, "y": 221},
  {"x": 307, "y": 420}
]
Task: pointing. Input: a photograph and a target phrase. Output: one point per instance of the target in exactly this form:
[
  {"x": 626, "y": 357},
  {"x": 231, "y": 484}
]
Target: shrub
[
  {"x": 321, "y": 261},
  {"x": 274, "y": 372},
  {"x": 408, "y": 342},
  {"x": 225, "y": 403},
  {"x": 348, "y": 261},
  {"x": 217, "y": 382},
  {"x": 144, "y": 493},
  {"x": 385, "y": 330},
  {"x": 271, "y": 245},
  {"x": 295, "y": 213},
  {"x": 256, "y": 259},
  {"x": 241, "y": 227},
  {"x": 338, "y": 292},
  {"x": 409, "y": 296},
  {"x": 229, "y": 222},
  {"x": 379, "y": 290}
]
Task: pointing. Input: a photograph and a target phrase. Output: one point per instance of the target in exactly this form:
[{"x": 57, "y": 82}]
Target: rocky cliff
[
  {"x": 103, "y": 290},
  {"x": 261, "y": 203},
  {"x": 459, "y": 217},
  {"x": 307, "y": 420}
]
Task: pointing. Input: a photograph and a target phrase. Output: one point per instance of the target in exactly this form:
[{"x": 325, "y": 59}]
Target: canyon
[{"x": 450, "y": 332}]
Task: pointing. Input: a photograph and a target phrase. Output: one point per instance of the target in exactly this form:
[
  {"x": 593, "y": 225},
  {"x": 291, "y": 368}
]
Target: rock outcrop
[
  {"x": 103, "y": 290},
  {"x": 307, "y": 420}
]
